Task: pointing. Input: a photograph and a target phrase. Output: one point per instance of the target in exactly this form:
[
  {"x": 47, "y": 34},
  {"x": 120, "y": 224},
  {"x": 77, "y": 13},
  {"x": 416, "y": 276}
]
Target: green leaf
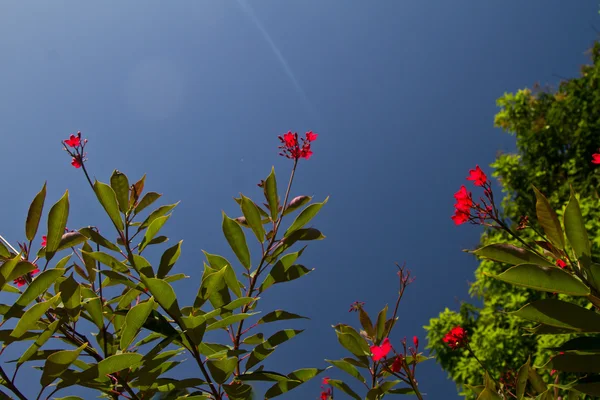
[
  {"x": 296, "y": 378},
  {"x": 107, "y": 260},
  {"x": 232, "y": 319},
  {"x": 296, "y": 203},
  {"x": 488, "y": 394},
  {"x": 152, "y": 230},
  {"x": 347, "y": 368},
  {"x": 235, "y": 391},
  {"x": 257, "y": 338},
  {"x": 57, "y": 363},
  {"x": 108, "y": 200},
  {"x": 522, "y": 378},
  {"x": 168, "y": 260},
  {"x": 159, "y": 212},
  {"x": 6, "y": 269},
  {"x": 97, "y": 238},
  {"x": 305, "y": 216},
  {"x": 366, "y": 323},
  {"x": 165, "y": 296},
  {"x": 57, "y": 221},
  {"x": 32, "y": 316},
  {"x": 110, "y": 365},
  {"x": 147, "y": 200},
  {"x": 71, "y": 239},
  {"x": 195, "y": 327},
  {"x": 548, "y": 220},
  {"x": 279, "y": 315},
  {"x": 35, "y": 213},
  {"x": 560, "y": 314},
  {"x": 281, "y": 267},
  {"x": 575, "y": 229},
  {"x": 280, "y": 273},
  {"x": 270, "y": 189},
  {"x": 38, "y": 286},
  {"x": 39, "y": 342},
  {"x": 263, "y": 350},
  {"x": 351, "y": 340},
  {"x": 263, "y": 376},
  {"x": 344, "y": 388},
  {"x": 513, "y": 255},
  {"x": 253, "y": 218},
  {"x": 94, "y": 307},
  {"x": 547, "y": 279},
  {"x": 135, "y": 319},
  {"x": 4, "y": 253},
  {"x": 217, "y": 262},
  {"x": 584, "y": 344},
  {"x": 289, "y": 241},
  {"x": 570, "y": 362},
  {"x": 221, "y": 370},
  {"x": 120, "y": 185},
  {"x": 213, "y": 288},
  {"x": 380, "y": 328},
  {"x": 237, "y": 240}
]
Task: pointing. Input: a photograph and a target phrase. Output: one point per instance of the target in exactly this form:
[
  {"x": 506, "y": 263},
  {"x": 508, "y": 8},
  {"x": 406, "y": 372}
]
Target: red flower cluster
[
  {"x": 77, "y": 155},
  {"x": 20, "y": 281},
  {"x": 456, "y": 338},
  {"x": 293, "y": 148},
  {"x": 484, "y": 211},
  {"x": 326, "y": 394},
  {"x": 382, "y": 351},
  {"x": 595, "y": 158}
]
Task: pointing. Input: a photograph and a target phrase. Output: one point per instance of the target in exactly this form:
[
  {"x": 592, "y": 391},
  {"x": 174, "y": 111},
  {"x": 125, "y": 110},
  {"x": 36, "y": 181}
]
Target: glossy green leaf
[
  {"x": 57, "y": 363},
  {"x": 305, "y": 217},
  {"x": 279, "y": 315},
  {"x": 522, "y": 378},
  {"x": 263, "y": 376},
  {"x": 344, "y": 388},
  {"x": 120, "y": 185},
  {"x": 108, "y": 199},
  {"x": 548, "y": 220},
  {"x": 296, "y": 378},
  {"x": 97, "y": 238},
  {"x": 6, "y": 269},
  {"x": 195, "y": 327},
  {"x": 280, "y": 267},
  {"x": 4, "y": 253},
  {"x": 217, "y": 262},
  {"x": 252, "y": 214},
  {"x": 71, "y": 239},
  {"x": 110, "y": 365},
  {"x": 221, "y": 370},
  {"x": 148, "y": 199},
  {"x": 165, "y": 296},
  {"x": 107, "y": 260},
  {"x": 94, "y": 308},
  {"x": 214, "y": 288},
  {"x": 235, "y": 391},
  {"x": 270, "y": 189},
  {"x": 279, "y": 274},
  {"x": 32, "y": 316},
  {"x": 152, "y": 230},
  {"x": 23, "y": 267},
  {"x": 304, "y": 234},
  {"x": 257, "y": 338},
  {"x": 263, "y": 350},
  {"x": 38, "y": 286},
  {"x": 237, "y": 240},
  {"x": 488, "y": 394},
  {"x": 380, "y": 327},
  {"x": 135, "y": 319},
  {"x": 35, "y": 213},
  {"x": 232, "y": 319},
  {"x": 560, "y": 314},
  {"x": 39, "y": 342},
  {"x": 168, "y": 260},
  {"x": 575, "y": 229},
  {"x": 347, "y": 368},
  {"x": 352, "y": 341},
  {"x": 57, "y": 221},
  {"x": 547, "y": 279},
  {"x": 512, "y": 255},
  {"x": 584, "y": 344},
  {"x": 159, "y": 212}
]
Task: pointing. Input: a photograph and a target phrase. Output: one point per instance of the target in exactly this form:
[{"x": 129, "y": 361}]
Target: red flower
[
  {"x": 310, "y": 136},
  {"x": 595, "y": 158},
  {"x": 76, "y": 162},
  {"x": 44, "y": 241},
  {"x": 292, "y": 148},
  {"x": 290, "y": 139},
  {"x": 74, "y": 141},
  {"x": 457, "y": 337},
  {"x": 463, "y": 205},
  {"x": 397, "y": 364},
  {"x": 477, "y": 176},
  {"x": 325, "y": 394},
  {"x": 561, "y": 263},
  {"x": 416, "y": 341},
  {"x": 20, "y": 281},
  {"x": 382, "y": 351},
  {"x": 325, "y": 381}
]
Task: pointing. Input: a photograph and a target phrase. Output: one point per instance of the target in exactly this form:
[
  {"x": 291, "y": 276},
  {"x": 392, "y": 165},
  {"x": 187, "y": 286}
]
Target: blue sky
[{"x": 194, "y": 94}]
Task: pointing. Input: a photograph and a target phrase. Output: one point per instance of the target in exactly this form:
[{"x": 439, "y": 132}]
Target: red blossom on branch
[
  {"x": 595, "y": 158},
  {"x": 456, "y": 338},
  {"x": 326, "y": 394},
  {"x": 21, "y": 280},
  {"x": 76, "y": 162},
  {"x": 74, "y": 146},
  {"x": 293, "y": 148},
  {"x": 397, "y": 364},
  {"x": 561, "y": 263},
  {"x": 477, "y": 176},
  {"x": 44, "y": 241},
  {"x": 74, "y": 141},
  {"x": 381, "y": 351}
]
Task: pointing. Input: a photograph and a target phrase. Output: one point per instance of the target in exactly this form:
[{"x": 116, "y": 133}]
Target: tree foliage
[{"x": 556, "y": 132}]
